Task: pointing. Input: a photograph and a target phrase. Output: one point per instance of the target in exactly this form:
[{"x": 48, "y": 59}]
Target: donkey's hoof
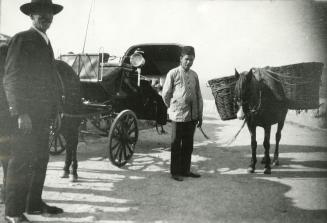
[
  {"x": 267, "y": 170},
  {"x": 251, "y": 169},
  {"x": 275, "y": 162}
]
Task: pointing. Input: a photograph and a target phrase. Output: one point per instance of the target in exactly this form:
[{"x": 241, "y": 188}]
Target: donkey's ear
[
  {"x": 249, "y": 75},
  {"x": 237, "y": 75}
]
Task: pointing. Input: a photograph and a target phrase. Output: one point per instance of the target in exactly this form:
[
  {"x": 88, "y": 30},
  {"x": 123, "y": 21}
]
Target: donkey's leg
[
  {"x": 266, "y": 145},
  {"x": 73, "y": 144},
  {"x": 71, "y": 154},
  {"x": 68, "y": 161},
  {"x": 252, "y": 130},
  {"x": 280, "y": 126}
]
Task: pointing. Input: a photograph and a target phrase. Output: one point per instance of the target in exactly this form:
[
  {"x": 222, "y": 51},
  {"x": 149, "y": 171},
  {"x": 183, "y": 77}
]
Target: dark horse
[
  {"x": 259, "y": 106},
  {"x": 70, "y": 125}
]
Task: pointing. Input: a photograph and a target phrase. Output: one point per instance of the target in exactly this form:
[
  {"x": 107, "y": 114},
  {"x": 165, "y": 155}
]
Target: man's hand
[
  {"x": 25, "y": 123},
  {"x": 199, "y": 123}
]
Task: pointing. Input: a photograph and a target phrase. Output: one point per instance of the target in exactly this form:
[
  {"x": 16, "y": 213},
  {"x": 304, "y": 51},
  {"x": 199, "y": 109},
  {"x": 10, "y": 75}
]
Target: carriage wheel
[
  {"x": 123, "y": 136},
  {"x": 57, "y": 142}
]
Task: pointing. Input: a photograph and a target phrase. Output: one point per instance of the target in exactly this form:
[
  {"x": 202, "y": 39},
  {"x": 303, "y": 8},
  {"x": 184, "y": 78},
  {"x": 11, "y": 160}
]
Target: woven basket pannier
[
  {"x": 301, "y": 84},
  {"x": 223, "y": 92}
]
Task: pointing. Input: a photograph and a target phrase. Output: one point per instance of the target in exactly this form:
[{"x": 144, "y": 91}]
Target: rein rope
[{"x": 230, "y": 141}]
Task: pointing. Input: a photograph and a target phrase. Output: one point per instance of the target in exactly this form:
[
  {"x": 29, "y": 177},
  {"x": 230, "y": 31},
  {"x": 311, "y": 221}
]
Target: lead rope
[
  {"x": 230, "y": 141},
  {"x": 198, "y": 105}
]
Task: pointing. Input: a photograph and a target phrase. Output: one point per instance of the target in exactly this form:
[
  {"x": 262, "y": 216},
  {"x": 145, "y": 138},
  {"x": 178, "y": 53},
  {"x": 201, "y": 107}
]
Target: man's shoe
[
  {"x": 73, "y": 178},
  {"x": 46, "y": 209},
  {"x": 65, "y": 174},
  {"x": 2, "y": 196},
  {"x": 20, "y": 219},
  {"x": 51, "y": 209},
  {"x": 193, "y": 175},
  {"x": 177, "y": 177}
]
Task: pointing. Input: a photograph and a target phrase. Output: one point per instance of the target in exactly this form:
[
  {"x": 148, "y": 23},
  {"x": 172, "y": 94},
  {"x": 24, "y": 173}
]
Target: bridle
[{"x": 240, "y": 102}]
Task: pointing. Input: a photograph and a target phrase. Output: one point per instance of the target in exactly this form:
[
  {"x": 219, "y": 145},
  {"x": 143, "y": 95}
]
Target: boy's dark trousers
[{"x": 181, "y": 147}]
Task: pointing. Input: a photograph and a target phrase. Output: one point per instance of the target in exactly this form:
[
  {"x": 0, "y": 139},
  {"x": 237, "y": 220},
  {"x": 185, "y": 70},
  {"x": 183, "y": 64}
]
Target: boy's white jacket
[{"x": 182, "y": 95}]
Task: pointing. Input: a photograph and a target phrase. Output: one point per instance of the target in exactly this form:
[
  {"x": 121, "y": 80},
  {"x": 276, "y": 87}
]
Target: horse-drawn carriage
[{"x": 111, "y": 93}]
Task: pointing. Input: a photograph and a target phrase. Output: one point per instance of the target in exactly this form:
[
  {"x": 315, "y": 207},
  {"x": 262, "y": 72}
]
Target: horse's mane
[
  {"x": 271, "y": 81},
  {"x": 239, "y": 84},
  {"x": 265, "y": 78}
]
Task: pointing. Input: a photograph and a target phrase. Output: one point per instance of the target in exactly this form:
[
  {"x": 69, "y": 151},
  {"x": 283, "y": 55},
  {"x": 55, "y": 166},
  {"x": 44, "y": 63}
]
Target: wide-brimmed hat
[{"x": 38, "y": 5}]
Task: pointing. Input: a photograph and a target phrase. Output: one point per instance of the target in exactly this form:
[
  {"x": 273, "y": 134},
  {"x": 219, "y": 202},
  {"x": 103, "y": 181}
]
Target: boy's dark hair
[{"x": 187, "y": 50}]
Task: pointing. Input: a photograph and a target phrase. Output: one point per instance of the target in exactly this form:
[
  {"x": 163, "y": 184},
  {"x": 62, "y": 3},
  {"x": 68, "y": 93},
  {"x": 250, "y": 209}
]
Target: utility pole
[{"x": 0, "y": 15}]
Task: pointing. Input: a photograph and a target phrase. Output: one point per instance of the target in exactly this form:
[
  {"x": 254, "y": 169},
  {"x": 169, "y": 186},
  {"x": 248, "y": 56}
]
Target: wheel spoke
[
  {"x": 114, "y": 147},
  {"x": 130, "y": 148},
  {"x": 125, "y": 152},
  {"x": 126, "y": 119},
  {"x": 117, "y": 152},
  {"x": 131, "y": 121},
  {"x": 120, "y": 155},
  {"x": 132, "y": 130},
  {"x": 118, "y": 130},
  {"x": 131, "y": 140}
]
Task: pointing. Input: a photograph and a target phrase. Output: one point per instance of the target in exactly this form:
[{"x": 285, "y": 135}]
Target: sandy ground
[{"x": 143, "y": 191}]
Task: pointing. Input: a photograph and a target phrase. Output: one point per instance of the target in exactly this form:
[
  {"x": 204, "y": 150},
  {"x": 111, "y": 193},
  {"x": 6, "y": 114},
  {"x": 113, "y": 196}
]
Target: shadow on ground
[{"x": 143, "y": 191}]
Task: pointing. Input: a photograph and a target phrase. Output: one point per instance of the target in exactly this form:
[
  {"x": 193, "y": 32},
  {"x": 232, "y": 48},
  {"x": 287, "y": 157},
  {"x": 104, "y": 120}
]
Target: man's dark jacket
[
  {"x": 7, "y": 123},
  {"x": 30, "y": 82}
]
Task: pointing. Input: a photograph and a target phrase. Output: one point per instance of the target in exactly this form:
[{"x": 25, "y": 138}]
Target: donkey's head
[{"x": 243, "y": 92}]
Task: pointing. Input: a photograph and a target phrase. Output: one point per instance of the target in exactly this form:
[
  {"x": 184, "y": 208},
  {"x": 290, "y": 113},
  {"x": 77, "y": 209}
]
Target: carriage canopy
[{"x": 159, "y": 59}]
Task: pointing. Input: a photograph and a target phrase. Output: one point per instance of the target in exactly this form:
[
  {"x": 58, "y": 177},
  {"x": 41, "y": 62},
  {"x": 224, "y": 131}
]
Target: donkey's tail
[{"x": 230, "y": 141}]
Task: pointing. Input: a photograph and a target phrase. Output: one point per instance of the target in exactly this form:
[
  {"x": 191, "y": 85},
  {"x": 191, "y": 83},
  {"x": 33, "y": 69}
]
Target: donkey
[
  {"x": 261, "y": 103},
  {"x": 70, "y": 125}
]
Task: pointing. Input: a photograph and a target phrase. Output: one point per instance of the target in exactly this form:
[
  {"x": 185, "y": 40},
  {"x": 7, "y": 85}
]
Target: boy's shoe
[{"x": 65, "y": 174}]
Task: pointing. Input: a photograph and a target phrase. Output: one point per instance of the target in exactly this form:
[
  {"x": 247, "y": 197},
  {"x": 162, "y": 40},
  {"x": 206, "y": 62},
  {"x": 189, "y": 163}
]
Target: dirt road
[{"x": 143, "y": 191}]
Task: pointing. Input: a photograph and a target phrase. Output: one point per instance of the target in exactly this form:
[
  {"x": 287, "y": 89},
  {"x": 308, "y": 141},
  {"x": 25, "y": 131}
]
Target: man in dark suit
[{"x": 33, "y": 93}]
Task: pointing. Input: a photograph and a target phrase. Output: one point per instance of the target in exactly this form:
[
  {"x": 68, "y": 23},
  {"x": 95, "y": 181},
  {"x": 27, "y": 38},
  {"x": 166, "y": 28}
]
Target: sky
[{"x": 225, "y": 34}]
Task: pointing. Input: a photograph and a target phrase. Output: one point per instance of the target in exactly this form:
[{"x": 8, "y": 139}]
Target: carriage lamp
[{"x": 137, "y": 60}]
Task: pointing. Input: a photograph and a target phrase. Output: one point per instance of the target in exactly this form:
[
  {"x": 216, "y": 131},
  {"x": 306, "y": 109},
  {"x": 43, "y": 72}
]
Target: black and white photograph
[{"x": 163, "y": 111}]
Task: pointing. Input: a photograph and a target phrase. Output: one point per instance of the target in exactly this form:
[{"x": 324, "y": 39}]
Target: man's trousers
[
  {"x": 27, "y": 167},
  {"x": 5, "y": 147},
  {"x": 181, "y": 147}
]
